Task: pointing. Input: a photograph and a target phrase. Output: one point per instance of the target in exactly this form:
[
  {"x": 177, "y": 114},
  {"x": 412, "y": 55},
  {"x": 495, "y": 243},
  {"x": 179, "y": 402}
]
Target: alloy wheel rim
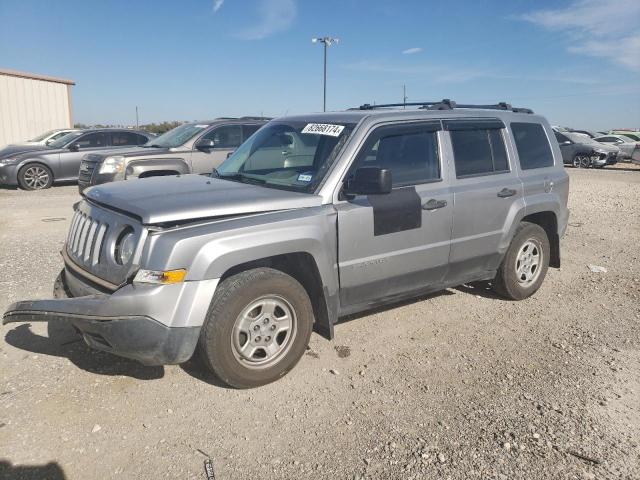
[
  {"x": 36, "y": 177},
  {"x": 264, "y": 332},
  {"x": 528, "y": 262}
]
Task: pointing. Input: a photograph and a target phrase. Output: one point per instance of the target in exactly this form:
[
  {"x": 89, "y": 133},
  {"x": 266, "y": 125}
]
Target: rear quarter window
[{"x": 533, "y": 145}]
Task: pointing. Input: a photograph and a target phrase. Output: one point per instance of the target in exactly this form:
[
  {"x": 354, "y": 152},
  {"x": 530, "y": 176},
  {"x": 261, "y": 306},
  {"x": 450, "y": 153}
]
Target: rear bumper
[{"x": 154, "y": 324}]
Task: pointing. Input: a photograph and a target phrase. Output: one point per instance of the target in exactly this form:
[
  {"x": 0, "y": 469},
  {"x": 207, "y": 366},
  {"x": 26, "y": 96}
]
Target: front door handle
[
  {"x": 506, "y": 192},
  {"x": 434, "y": 204}
]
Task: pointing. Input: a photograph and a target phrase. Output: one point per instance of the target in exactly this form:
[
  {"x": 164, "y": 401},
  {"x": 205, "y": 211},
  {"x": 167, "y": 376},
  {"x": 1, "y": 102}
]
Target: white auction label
[{"x": 323, "y": 129}]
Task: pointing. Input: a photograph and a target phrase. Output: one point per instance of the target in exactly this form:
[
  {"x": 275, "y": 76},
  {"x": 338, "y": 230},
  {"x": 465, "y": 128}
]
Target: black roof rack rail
[
  {"x": 256, "y": 118},
  {"x": 447, "y": 104}
]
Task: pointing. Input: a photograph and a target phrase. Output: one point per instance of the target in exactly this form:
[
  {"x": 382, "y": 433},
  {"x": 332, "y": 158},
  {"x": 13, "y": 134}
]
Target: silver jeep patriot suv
[
  {"x": 196, "y": 147},
  {"x": 314, "y": 217}
]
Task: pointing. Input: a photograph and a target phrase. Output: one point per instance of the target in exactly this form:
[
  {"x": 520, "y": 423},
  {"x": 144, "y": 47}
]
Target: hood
[
  {"x": 126, "y": 152},
  {"x": 605, "y": 147},
  {"x": 191, "y": 197},
  {"x": 17, "y": 148}
]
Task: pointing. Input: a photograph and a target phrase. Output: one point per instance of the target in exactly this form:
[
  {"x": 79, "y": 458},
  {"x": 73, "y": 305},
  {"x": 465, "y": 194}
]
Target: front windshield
[
  {"x": 177, "y": 136},
  {"x": 39, "y": 138},
  {"x": 579, "y": 137},
  {"x": 290, "y": 156},
  {"x": 62, "y": 142},
  {"x": 630, "y": 136}
]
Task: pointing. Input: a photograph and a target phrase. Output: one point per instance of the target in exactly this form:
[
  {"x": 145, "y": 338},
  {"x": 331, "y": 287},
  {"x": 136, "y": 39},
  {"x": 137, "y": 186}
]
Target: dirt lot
[{"x": 456, "y": 385}]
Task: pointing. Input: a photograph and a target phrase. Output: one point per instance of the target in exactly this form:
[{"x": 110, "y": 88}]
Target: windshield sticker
[
  {"x": 304, "y": 177},
  {"x": 323, "y": 129},
  {"x": 201, "y": 126}
]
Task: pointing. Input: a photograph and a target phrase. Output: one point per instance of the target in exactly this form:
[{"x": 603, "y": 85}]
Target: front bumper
[
  {"x": 154, "y": 324},
  {"x": 9, "y": 174}
]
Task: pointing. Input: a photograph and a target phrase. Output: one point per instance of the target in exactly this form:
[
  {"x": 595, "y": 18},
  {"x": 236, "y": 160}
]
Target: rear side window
[
  {"x": 532, "y": 145},
  {"x": 410, "y": 153},
  {"x": 479, "y": 152}
]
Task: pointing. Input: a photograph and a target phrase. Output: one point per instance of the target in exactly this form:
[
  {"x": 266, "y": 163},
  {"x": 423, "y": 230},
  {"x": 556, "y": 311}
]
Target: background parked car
[
  {"x": 582, "y": 152},
  {"x": 38, "y": 143},
  {"x": 635, "y": 136},
  {"x": 196, "y": 147},
  {"x": 628, "y": 147},
  {"x": 48, "y": 137},
  {"x": 60, "y": 161}
]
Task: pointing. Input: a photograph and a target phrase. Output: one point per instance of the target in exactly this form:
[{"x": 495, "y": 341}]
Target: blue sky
[{"x": 575, "y": 61}]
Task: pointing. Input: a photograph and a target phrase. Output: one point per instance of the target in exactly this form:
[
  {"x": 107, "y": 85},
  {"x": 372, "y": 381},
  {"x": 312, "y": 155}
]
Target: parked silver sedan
[{"x": 628, "y": 148}]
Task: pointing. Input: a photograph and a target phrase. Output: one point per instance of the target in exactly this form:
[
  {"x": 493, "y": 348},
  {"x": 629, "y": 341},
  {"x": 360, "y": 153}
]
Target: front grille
[
  {"x": 86, "y": 239},
  {"x": 86, "y": 170},
  {"x": 92, "y": 241}
]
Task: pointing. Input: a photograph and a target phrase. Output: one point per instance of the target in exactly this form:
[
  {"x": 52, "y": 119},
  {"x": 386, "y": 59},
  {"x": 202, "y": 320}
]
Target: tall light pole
[{"x": 327, "y": 42}]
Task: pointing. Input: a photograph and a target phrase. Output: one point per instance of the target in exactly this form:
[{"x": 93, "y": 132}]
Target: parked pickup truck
[
  {"x": 313, "y": 218},
  {"x": 196, "y": 147}
]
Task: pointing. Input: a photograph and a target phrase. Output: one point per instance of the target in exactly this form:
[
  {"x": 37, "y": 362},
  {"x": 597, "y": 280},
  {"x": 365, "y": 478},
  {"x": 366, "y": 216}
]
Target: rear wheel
[
  {"x": 525, "y": 264},
  {"x": 35, "y": 176},
  {"x": 257, "y": 328}
]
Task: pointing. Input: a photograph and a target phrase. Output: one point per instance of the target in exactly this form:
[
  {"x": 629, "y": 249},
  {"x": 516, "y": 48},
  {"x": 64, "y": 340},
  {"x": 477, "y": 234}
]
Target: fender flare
[{"x": 135, "y": 168}]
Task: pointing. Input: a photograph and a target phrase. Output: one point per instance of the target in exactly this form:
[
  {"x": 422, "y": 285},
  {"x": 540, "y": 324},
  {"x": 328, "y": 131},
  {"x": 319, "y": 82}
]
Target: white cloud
[
  {"x": 217, "y": 4},
  {"x": 411, "y": 51},
  {"x": 439, "y": 73},
  {"x": 599, "y": 28},
  {"x": 274, "y": 16}
]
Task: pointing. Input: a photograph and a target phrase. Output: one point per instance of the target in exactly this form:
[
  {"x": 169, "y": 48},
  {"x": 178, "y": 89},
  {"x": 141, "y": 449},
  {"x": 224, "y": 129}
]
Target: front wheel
[
  {"x": 525, "y": 264},
  {"x": 35, "y": 176},
  {"x": 257, "y": 328}
]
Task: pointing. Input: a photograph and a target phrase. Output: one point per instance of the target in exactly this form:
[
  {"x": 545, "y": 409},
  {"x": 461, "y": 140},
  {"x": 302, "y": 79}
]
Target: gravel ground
[{"x": 457, "y": 385}]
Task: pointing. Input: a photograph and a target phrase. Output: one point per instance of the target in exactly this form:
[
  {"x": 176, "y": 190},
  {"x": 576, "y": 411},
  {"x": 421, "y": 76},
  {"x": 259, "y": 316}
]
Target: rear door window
[
  {"x": 478, "y": 148},
  {"x": 248, "y": 130},
  {"x": 532, "y": 144},
  {"x": 119, "y": 139}
]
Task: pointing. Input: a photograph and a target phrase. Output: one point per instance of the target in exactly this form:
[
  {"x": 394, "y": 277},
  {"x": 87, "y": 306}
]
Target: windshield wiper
[{"x": 240, "y": 177}]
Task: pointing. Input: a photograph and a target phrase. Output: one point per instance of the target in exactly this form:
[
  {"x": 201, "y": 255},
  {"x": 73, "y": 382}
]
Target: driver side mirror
[
  {"x": 74, "y": 147},
  {"x": 206, "y": 144},
  {"x": 369, "y": 181}
]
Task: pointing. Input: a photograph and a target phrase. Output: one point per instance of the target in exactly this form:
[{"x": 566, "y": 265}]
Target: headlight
[
  {"x": 124, "y": 247},
  {"x": 112, "y": 165},
  {"x": 160, "y": 277},
  {"x": 8, "y": 161}
]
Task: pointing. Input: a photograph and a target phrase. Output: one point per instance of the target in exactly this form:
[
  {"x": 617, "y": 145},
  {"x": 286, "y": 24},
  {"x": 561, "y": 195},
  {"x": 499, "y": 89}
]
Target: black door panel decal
[{"x": 397, "y": 211}]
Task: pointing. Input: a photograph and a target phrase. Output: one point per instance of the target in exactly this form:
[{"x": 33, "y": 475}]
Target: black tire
[
  {"x": 216, "y": 345},
  {"x": 508, "y": 283},
  {"x": 35, "y": 176}
]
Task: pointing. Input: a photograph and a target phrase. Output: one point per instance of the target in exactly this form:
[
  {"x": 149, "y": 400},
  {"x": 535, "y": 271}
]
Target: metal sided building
[{"x": 32, "y": 104}]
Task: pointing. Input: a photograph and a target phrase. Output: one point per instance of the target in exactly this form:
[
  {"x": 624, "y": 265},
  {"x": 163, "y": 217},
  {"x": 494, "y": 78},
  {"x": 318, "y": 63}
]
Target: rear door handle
[
  {"x": 506, "y": 192},
  {"x": 434, "y": 204}
]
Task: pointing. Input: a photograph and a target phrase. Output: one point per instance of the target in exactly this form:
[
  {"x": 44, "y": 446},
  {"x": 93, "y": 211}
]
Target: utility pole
[
  {"x": 327, "y": 42},
  {"x": 404, "y": 96},
  {"x": 137, "y": 124}
]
